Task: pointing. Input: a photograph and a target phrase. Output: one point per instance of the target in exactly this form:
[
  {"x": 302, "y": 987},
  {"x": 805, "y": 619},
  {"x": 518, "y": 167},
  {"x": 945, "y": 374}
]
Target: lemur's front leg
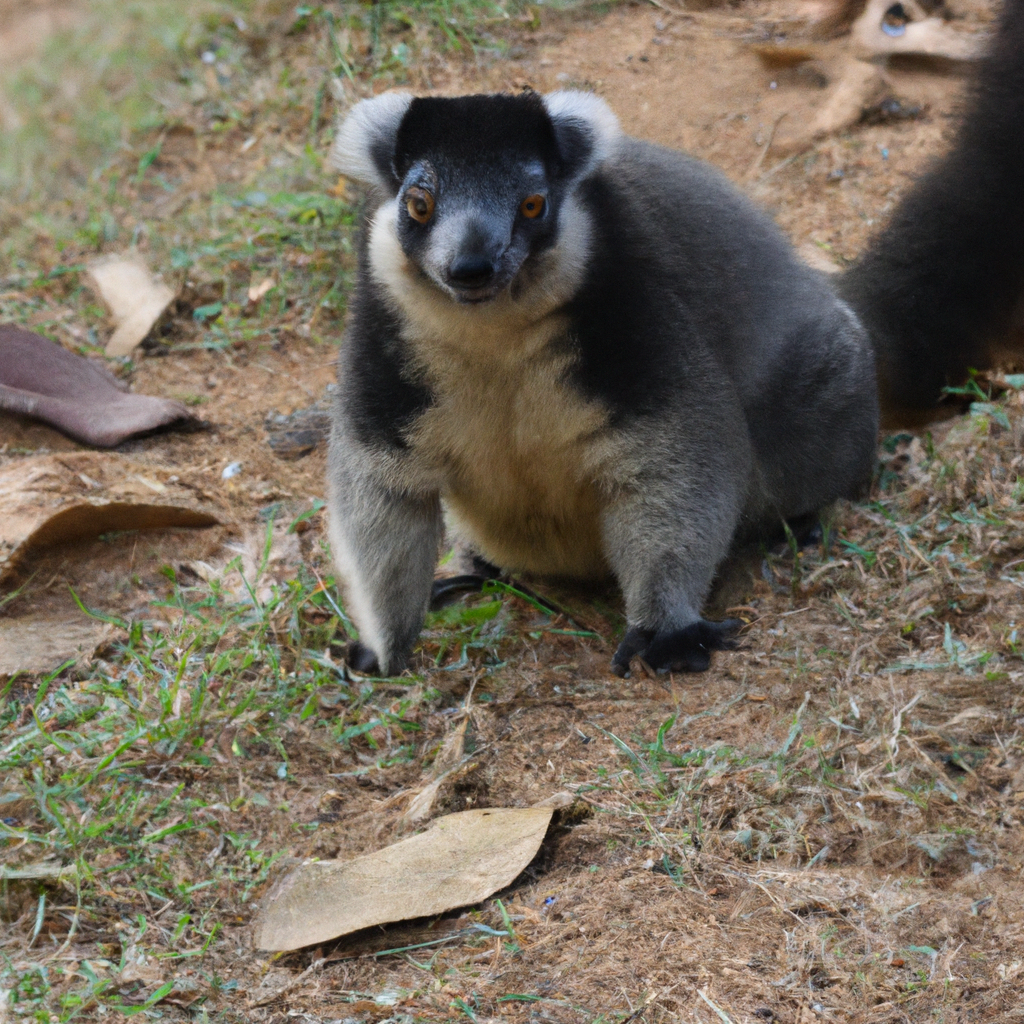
[
  {"x": 665, "y": 533},
  {"x": 385, "y": 540}
]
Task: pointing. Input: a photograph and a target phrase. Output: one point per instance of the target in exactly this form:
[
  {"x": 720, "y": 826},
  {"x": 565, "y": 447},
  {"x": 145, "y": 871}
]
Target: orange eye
[
  {"x": 420, "y": 204},
  {"x": 532, "y": 206}
]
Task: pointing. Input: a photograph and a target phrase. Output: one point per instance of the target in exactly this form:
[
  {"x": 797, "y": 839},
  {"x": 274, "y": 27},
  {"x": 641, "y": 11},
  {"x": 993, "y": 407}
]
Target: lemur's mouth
[{"x": 475, "y": 296}]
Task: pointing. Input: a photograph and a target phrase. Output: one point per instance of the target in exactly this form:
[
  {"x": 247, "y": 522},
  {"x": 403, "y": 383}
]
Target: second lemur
[{"x": 586, "y": 355}]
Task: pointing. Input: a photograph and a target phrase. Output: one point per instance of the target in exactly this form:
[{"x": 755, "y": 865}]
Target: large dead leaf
[
  {"x": 135, "y": 298},
  {"x": 461, "y": 860},
  {"x": 78, "y": 396},
  {"x": 41, "y": 644},
  {"x": 52, "y": 499}
]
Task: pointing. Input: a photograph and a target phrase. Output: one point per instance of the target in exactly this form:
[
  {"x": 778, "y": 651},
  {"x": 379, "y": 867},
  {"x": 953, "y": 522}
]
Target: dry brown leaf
[
  {"x": 257, "y": 291},
  {"x": 461, "y": 860},
  {"x": 53, "y": 499},
  {"x": 42, "y": 643},
  {"x": 78, "y": 396},
  {"x": 134, "y": 297}
]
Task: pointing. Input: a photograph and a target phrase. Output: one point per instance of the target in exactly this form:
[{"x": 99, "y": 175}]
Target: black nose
[{"x": 471, "y": 271}]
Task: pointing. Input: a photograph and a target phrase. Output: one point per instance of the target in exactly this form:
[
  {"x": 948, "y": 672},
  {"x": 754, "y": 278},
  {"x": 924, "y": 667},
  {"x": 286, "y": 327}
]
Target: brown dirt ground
[{"x": 622, "y": 915}]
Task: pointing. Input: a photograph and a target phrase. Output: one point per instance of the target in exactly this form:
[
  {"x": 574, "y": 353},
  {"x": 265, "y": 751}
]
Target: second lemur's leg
[
  {"x": 666, "y": 531},
  {"x": 385, "y": 541}
]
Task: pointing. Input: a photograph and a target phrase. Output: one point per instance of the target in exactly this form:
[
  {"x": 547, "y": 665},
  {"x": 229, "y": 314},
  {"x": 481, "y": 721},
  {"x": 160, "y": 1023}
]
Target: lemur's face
[
  {"x": 471, "y": 227},
  {"x": 478, "y": 182}
]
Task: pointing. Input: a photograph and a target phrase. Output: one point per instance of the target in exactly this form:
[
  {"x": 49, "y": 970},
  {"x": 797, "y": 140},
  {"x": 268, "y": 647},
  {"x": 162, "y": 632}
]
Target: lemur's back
[{"x": 701, "y": 274}]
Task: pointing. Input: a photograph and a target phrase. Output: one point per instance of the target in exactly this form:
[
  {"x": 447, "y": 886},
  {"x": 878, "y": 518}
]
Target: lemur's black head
[{"x": 478, "y": 181}]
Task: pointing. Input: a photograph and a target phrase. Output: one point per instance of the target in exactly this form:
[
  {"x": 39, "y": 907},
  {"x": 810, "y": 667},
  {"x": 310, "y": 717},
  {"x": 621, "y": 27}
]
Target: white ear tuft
[
  {"x": 587, "y": 116},
  {"x": 365, "y": 143}
]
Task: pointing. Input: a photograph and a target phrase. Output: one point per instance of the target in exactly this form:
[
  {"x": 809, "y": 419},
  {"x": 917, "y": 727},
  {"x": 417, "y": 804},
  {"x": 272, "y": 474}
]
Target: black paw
[
  {"x": 676, "y": 650},
  {"x": 444, "y": 590},
  {"x": 807, "y": 530},
  {"x": 361, "y": 659}
]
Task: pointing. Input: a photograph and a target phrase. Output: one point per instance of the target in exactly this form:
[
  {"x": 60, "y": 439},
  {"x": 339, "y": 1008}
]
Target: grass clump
[{"x": 139, "y": 781}]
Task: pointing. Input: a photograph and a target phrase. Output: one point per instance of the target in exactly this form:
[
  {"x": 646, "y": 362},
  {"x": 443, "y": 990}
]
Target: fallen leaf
[
  {"x": 78, "y": 396},
  {"x": 44, "y": 500},
  {"x": 134, "y": 297},
  {"x": 257, "y": 291},
  {"x": 39, "y": 644},
  {"x": 462, "y": 859}
]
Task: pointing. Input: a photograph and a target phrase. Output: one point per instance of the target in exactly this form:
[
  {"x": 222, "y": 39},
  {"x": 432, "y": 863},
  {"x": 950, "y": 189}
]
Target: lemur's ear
[
  {"x": 364, "y": 147},
  {"x": 586, "y": 129}
]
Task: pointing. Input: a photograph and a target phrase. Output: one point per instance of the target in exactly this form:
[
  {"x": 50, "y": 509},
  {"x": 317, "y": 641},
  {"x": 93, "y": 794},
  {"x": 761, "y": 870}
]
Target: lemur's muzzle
[{"x": 471, "y": 271}]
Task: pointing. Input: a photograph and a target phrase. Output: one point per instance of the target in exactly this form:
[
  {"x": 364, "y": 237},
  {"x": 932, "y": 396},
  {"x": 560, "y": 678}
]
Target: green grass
[
  {"x": 90, "y": 162},
  {"x": 125, "y": 69},
  {"x": 128, "y": 775}
]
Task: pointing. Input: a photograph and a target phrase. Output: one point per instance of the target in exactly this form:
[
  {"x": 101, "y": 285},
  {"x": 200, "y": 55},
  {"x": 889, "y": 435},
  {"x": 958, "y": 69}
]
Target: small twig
[
  {"x": 251, "y": 1004},
  {"x": 650, "y": 999},
  {"x": 72, "y": 931},
  {"x": 722, "y": 1015},
  {"x": 778, "y": 167},
  {"x": 756, "y": 165}
]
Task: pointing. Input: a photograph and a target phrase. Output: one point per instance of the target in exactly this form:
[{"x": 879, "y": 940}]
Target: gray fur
[
  {"x": 361, "y": 146},
  {"x": 385, "y": 546},
  {"x": 742, "y": 390}
]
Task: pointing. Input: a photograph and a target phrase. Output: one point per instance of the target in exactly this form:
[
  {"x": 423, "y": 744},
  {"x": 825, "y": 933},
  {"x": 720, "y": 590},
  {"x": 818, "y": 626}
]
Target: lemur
[{"x": 585, "y": 355}]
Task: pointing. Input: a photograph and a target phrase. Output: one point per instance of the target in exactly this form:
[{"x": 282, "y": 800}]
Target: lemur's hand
[
  {"x": 361, "y": 659},
  {"x": 676, "y": 650}
]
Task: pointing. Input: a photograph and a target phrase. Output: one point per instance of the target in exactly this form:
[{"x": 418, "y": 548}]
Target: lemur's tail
[{"x": 941, "y": 288}]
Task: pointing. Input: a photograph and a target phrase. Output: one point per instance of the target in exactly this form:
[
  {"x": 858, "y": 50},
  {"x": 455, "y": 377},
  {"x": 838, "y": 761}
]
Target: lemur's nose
[{"x": 471, "y": 270}]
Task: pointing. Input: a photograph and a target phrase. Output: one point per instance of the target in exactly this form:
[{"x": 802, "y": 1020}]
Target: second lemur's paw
[
  {"x": 361, "y": 659},
  {"x": 676, "y": 650}
]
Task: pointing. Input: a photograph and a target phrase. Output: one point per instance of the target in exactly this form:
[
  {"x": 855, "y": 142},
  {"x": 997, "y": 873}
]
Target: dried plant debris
[
  {"x": 462, "y": 859},
  {"x": 41, "y": 644},
  {"x": 134, "y": 297},
  {"x": 827, "y": 826},
  {"x": 46, "y": 500},
  {"x": 78, "y": 396}
]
